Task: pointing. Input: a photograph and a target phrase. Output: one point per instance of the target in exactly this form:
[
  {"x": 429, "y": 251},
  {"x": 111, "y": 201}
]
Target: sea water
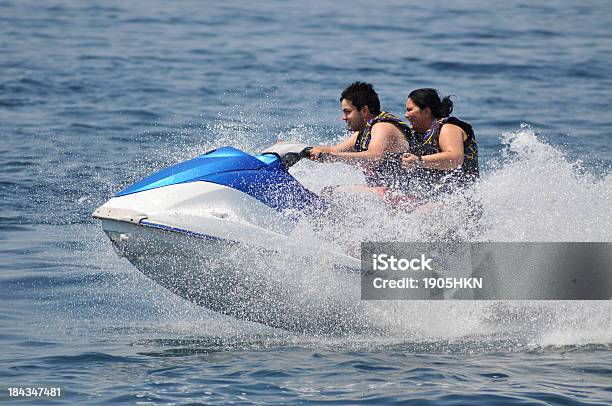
[{"x": 95, "y": 95}]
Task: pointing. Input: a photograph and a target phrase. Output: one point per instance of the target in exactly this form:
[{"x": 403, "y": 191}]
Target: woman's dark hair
[
  {"x": 362, "y": 94},
  {"x": 431, "y": 98}
]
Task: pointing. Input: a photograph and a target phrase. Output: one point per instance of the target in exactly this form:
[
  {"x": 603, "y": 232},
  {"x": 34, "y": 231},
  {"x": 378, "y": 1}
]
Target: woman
[{"x": 443, "y": 152}]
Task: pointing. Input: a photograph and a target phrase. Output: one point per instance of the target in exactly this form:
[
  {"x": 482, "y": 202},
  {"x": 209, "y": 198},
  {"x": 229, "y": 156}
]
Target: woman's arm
[{"x": 451, "y": 155}]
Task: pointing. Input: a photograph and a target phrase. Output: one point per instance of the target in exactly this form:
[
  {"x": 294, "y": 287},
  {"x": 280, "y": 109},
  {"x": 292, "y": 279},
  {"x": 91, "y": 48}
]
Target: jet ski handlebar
[{"x": 289, "y": 152}]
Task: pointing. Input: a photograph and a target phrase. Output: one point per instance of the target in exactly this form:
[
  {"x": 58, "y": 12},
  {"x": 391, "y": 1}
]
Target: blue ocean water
[{"x": 95, "y": 95}]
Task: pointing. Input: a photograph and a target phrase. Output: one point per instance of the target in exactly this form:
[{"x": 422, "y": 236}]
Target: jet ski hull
[
  {"x": 279, "y": 289},
  {"x": 222, "y": 249}
]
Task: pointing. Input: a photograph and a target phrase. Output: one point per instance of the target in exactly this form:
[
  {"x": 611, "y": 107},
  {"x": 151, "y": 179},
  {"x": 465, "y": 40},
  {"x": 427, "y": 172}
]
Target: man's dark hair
[{"x": 362, "y": 94}]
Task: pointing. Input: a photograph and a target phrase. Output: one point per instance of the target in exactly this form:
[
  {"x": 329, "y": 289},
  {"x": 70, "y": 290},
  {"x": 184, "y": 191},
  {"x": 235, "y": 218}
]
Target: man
[{"x": 375, "y": 136}]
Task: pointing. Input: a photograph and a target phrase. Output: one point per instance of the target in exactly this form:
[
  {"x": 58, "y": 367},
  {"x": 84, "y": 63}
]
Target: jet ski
[
  {"x": 223, "y": 231},
  {"x": 217, "y": 231}
]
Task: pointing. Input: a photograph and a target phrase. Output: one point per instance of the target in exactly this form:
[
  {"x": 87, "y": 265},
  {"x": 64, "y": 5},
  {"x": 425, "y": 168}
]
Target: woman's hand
[{"x": 410, "y": 161}]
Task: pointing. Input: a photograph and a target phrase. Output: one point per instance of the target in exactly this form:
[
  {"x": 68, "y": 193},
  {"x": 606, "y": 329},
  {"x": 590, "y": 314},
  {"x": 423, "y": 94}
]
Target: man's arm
[
  {"x": 383, "y": 139},
  {"x": 346, "y": 145}
]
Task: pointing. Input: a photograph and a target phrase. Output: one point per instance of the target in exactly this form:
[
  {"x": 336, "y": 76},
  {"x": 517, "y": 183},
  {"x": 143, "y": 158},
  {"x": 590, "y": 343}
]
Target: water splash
[
  {"x": 536, "y": 194},
  {"x": 520, "y": 203}
]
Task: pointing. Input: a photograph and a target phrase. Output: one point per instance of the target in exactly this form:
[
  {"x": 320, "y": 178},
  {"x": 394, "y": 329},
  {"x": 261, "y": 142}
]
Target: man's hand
[
  {"x": 315, "y": 153},
  {"x": 319, "y": 154}
]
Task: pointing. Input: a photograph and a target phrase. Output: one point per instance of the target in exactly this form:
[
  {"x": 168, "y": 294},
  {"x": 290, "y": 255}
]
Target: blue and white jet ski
[{"x": 206, "y": 228}]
